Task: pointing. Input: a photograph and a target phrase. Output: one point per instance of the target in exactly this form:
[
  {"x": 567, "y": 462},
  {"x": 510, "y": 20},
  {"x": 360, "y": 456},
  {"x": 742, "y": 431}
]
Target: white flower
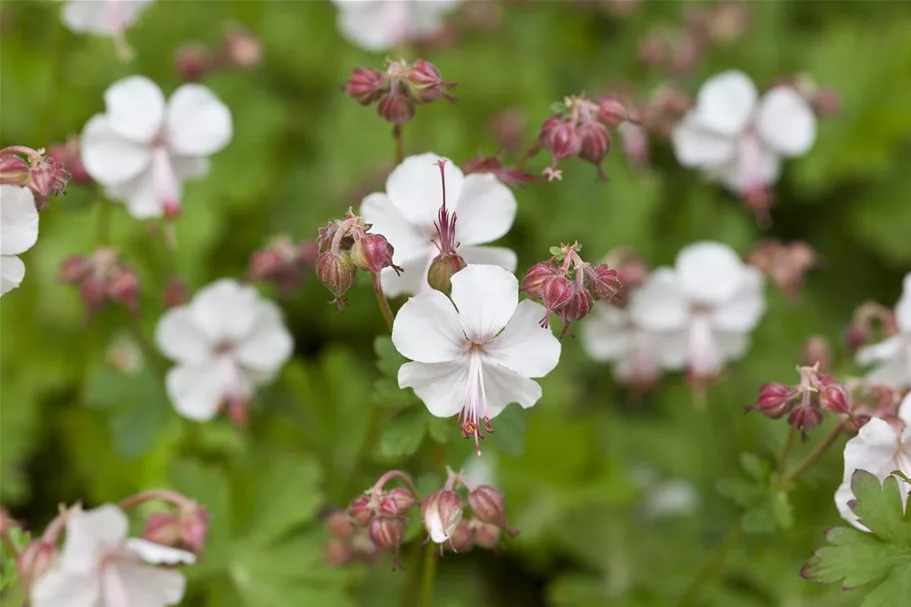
[
  {"x": 477, "y": 356},
  {"x": 379, "y": 25},
  {"x": 142, "y": 150},
  {"x": 226, "y": 342},
  {"x": 711, "y": 298},
  {"x": 892, "y": 356},
  {"x": 879, "y": 448},
  {"x": 102, "y": 17},
  {"x": 738, "y": 139},
  {"x": 405, "y": 215},
  {"x": 99, "y": 567},
  {"x": 18, "y": 232}
]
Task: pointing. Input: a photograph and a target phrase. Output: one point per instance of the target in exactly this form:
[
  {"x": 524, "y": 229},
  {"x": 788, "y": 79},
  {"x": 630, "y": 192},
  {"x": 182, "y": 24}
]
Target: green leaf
[
  {"x": 403, "y": 435},
  {"x": 509, "y": 431},
  {"x": 207, "y": 486},
  {"x": 388, "y": 359},
  {"x": 556, "y": 252},
  {"x": 386, "y": 393},
  {"x": 288, "y": 495},
  {"x": 440, "y": 429}
]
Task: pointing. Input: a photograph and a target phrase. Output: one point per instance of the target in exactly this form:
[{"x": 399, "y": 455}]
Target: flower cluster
[
  {"x": 41, "y": 173},
  {"x": 102, "y": 277},
  {"x": 806, "y": 402},
  {"x": 282, "y": 262},
  {"x": 784, "y": 264},
  {"x": 399, "y": 88}
]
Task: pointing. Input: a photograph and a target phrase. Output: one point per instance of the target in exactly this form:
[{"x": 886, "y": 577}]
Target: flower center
[
  {"x": 164, "y": 181},
  {"x": 704, "y": 357},
  {"x": 475, "y": 412}
]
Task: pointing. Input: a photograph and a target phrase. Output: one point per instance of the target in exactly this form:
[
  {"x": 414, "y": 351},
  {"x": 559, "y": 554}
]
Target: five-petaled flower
[
  {"x": 227, "y": 341},
  {"x": 477, "y": 353},
  {"x": 738, "y": 139},
  {"x": 405, "y": 215},
  {"x": 142, "y": 150},
  {"x": 892, "y": 356},
  {"x": 18, "y": 233},
  {"x": 379, "y": 25},
  {"x": 98, "y": 565}
]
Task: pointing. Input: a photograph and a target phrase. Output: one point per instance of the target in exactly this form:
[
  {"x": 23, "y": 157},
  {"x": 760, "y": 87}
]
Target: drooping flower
[
  {"x": 379, "y": 25},
  {"x": 100, "y": 567},
  {"x": 227, "y": 341},
  {"x": 736, "y": 138},
  {"x": 405, "y": 215},
  {"x": 142, "y": 150},
  {"x": 477, "y": 353},
  {"x": 711, "y": 297},
  {"x": 18, "y": 233},
  {"x": 892, "y": 356},
  {"x": 879, "y": 448}
]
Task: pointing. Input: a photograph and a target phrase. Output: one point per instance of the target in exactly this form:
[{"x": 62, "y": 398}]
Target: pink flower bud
[
  {"x": 365, "y": 85},
  {"x": 602, "y": 282},
  {"x": 162, "y": 528},
  {"x": 242, "y": 49},
  {"x": 75, "y": 269},
  {"x": 536, "y": 278},
  {"x": 442, "y": 269},
  {"x": 441, "y": 513},
  {"x": 361, "y": 511},
  {"x": 396, "y": 107},
  {"x": 577, "y": 308},
  {"x": 560, "y": 138},
  {"x": 462, "y": 539},
  {"x": 826, "y": 102},
  {"x": 387, "y": 533},
  {"x": 775, "y": 400},
  {"x": 511, "y": 177},
  {"x": 123, "y": 286},
  {"x": 93, "y": 292},
  {"x": 403, "y": 498},
  {"x": 595, "y": 144},
  {"x": 337, "y": 553},
  {"x": 487, "y": 506},
  {"x": 425, "y": 84},
  {"x": 13, "y": 170},
  {"x": 611, "y": 111},
  {"x": 194, "y": 528},
  {"x": 805, "y": 418},
  {"x": 487, "y": 536},
  {"x": 372, "y": 253},
  {"x": 339, "y": 524},
  {"x": 556, "y": 292},
  {"x": 336, "y": 272},
  {"x": 834, "y": 397},
  {"x": 48, "y": 178},
  {"x": 34, "y": 561},
  {"x": 192, "y": 62},
  {"x": 508, "y": 129}
]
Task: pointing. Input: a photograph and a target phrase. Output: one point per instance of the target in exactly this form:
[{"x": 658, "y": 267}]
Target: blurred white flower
[
  {"x": 99, "y": 567},
  {"x": 475, "y": 357},
  {"x": 102, "y": 17},
  {"x": 892, "y": 356},
  {"x": 227, "y": 341},
  {"x": 738, "y": 139},
  {"x": 379, "y": 25},
  {"x": 405, "y": 215},
  {"x": 18, "y": 233},
  {"x": 711, "y": 299},
  {"x": 142, "y": 150},
  {"x": 879, "y": 448}
]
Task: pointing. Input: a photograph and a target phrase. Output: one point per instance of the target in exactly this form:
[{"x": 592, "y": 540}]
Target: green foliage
[{"x": 765, "y": 507}]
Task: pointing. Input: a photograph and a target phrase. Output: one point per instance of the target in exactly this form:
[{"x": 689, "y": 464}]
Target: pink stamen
[
  {"x": 164, "y": 182},
  {"x": 705, "y": 360},
  {"x": 475, "y": 411},
  {"x": 446, "y": 221}
]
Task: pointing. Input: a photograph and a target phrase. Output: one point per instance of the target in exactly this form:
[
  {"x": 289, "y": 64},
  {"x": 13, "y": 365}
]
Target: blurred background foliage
[{"x": 577, "y": 470}]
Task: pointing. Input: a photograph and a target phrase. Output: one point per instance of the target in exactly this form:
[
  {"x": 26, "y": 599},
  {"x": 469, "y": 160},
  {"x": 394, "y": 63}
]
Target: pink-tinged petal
[
  {"x": 894, "y": 372},
  {"x": 884, "y": 350},
  {"x": 58, "y": 588},
  {"x": 90, "y": 534},
  {"x": 108, "y": 156},
  {"x": 904, "y": 412},
  {"x": 196, "y": 391},
  {"x": 427, "y": 329},
  {"x": 18, "y": 220},
  {"x": 139, "y": 195},
  {"x": 181, "y": 339},
  {"x": 102, "y": 18},
  {"x": 660, "y": 303},
  {"x": 742, "y": 311},
  {"x": 406, "y": 238},
  {"x": 503, "y": 386},
  {"x": 225, "y": 310},
  {"x": 903, "y": 307},
  {"x": 12, "y": 272},
  {"x": 441, "y": 386},
  {"x": 268, "y": 345},
  {"x": 198, "y": 123},
  {"x": 726, "y": 102},
  {"x": 373, "y": 26},
  {"x": 491, "y": 256},
  {"x": 843, "y": 495},
  {"x": 146, "y": 586},
  {"x": 756, "y": 167},
  {"x": 705, "y": 358},
  {"x": 607, "y": 333},
  {"x": 524, "y": 346},
  {"x": 415, "y": 188},
  {"x": 486, "y": 297},
  {"x": 486, "y": 210},
  {"x": 158, "y": 554},
  {"x": 694, "y": 146},
  {"x": 413, "y": 277},
  {"x": 135, "y": 109},
  {"x": 786, "y": 121},
  {"x": 709, "y": 272}
]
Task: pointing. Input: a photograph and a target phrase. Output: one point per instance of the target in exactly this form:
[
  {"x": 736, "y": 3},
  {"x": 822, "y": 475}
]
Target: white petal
[
  {"x": 427, "y": 329},
  {"x": 742, "y": 311},
  {"x": 607, "y": 332},
  {"x": 415, "y": 188},
  {"x": 413, "y": 279},
  {"x": 373, "y": 26},
  {"x": 903, "y": 307},
  {"x": 109, "y": 157},
  {"x": 407, "y": 240},
  {"x": 427, "y": 15},
  {"x": 669, "y": 348},
  {"x": 731, "y": 344},
  {"x": 904, "y": 411},
  {"x": 884, "y": 350},
  {"x": 135, "y": 109},
  {"x": 486, "y": 297},
  {"x": 18, "y": 220},
  {"x": 181, "y": 339},
  {"x": 503, "y": 386},
  {"x": 709, "y": 272},
  {"x": 492, "y": 256},
  {"x": 189, "y": 167},
  {"x": 196, "y": 391},
  {"x": 894, "y": 372},
  {"x": 486, "y": 210},
  {"x": 199, "y": 124},
  {"x": 147, "y": 586},
  {"x": 12, "y": 271},
  {"x": 158, "y": 554},
  {"x": 786, "y": 121},
  {"x": 57, "y": 588},
  {"x": 225, "y": 310},
  {"x": 441, "y": 386},
  {"x": 872, "y": 449},
  {"x": 660, "y": 303},
  {"x": 268, "y": 345},
  {"x": 726, "y": 102},
  {"x": 524, "y": 345},
  {"x": 102, "y": 18},
  {"x": 843, "y": 495},
  {"x": 90, "y": 534},
  {"x": 435, "y": 528},
  {"x": 694, "y": 146}
]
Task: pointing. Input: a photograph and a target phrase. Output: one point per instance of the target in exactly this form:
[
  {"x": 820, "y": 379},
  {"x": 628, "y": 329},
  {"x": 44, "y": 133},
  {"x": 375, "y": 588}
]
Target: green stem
[
  {"x": 711, "y": 568},
  {"x": 429, "y": 574},
  {"x": 383, "y": 303},
  {"x": 399, "y": 144},
  {"x": 812, "y": 456},
  {"x": 786, "y": 450},
  {"x": 103, "y": 225}
]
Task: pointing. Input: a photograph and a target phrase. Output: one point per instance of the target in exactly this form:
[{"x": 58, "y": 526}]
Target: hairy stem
[{"x": 786, "y": 450}]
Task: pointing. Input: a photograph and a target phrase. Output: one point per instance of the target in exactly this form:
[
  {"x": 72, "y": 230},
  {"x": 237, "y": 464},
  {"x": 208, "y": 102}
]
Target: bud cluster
[
  {"x": 29, "y": 168},
  {"x": 784, "y": 264},
  {"x": 282, "y": 262},
  {"x": 69, "y": 155},
  {"x": 486, "y": 521},
  {"x": 399, "y": 88},
  {"x": 102, "y": 277},
  {"x": 344, "y": 246},
  {"x": 569, "y": 286},
  {"x": 186, "y": 528},
  {"x": 239, "y": 49}
]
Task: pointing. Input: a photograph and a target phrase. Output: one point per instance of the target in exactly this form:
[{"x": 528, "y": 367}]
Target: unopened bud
[
  {"x": 441, "y": 513},
  {"x": 336, "y": 553},
  {"x": 805, "y": 418},
  {"x": 13, "y": 170},
  {"x": 93, "y": 292},
  {"x": 336, "y": 272},
  {"x": 176, "y": 292},
  {"x": 560, "y": 138},
  {"x": 816, "y": 351},
  {"x": 556, "y": 292},
  {"x": 365, "y": 85},
  {"x": 404, "y": 499},
  {"x": 834, "y": 397},
  {"x": 162, "y": 528},
  {"x": 372, "y": 253},
  {"x": 34, "y": 561},
  {"x": 536, "y": 277},
  {"x": 602, "y": 282},
  {"x": 775, "y": 400},
  {"x": 360, "y": 511},
  {"x": 826, "y": 102},
  {"x": 487, "y": 536},
  {"x": 75, "y": 269},
  {"x": 124, "y": 286},
  {"x": 612, "y": 111},
  {"x": 487, "y": 506},
  {"x": 595, "y": 144},
  {"x": 396, "y": 107},
  {"x": 387, "y": 532},
  {"x": 242, "y": 49},
  {"x": 192, "y": 62},
  {"x": 577, "y": 308},
  {"x": 442, "y": 269},
  {"x": 194, "y": 528},
  {"x": 462, "y": 539},
  {"x": 339, "y": 524},
  {"x": 425, "y": 84}
]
